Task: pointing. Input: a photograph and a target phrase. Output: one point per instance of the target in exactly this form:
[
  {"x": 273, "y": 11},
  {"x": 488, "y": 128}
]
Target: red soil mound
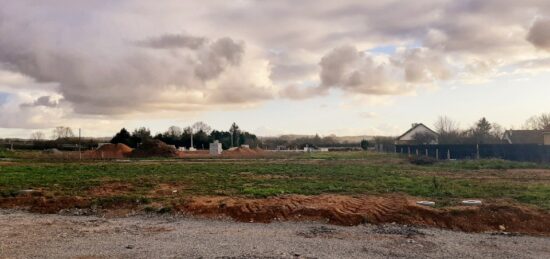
[
  {"x": 243, "y": 152},
  {"x": 194, "y": 154},
  {"x": 346, "y": 210},
  {"x": 154, "y": 148},
  {"x": 41, "y": 204},
  {"x": 109, "y": 151}
]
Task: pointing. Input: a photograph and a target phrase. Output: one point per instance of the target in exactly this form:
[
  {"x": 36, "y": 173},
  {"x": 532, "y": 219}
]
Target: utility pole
[
  {"x": 191, "y": 139},
  {"x": 79, "y": 144}
]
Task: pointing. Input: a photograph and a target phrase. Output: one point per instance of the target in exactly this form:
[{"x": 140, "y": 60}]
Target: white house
[{"x": 413, "y": 135}]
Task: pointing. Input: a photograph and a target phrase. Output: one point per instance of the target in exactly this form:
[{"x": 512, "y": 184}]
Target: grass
[
  {"x": 339, "y": 173},
  {"x": 489, "y": 164},
  {"x": 4, "y": 153}
]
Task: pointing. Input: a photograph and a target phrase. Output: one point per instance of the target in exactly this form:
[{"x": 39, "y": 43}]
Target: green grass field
[{"x": 310, "y": 174}]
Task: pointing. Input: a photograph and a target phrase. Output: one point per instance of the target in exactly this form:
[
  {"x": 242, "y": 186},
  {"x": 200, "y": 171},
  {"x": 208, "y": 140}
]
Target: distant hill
[{"x": 341, "y": 139}]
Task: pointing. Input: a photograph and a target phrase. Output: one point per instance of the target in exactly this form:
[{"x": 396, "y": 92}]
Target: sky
[{"x": 348, "y": 67}]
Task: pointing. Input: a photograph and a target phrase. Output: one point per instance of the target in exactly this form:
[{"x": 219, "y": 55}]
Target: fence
[{"x": 514, "y": 152}]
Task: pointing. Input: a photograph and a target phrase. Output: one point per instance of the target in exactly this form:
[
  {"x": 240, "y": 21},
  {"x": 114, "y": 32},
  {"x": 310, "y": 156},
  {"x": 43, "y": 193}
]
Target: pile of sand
[
  {"x": 109, "y": 151},
  {"x": 154, "y": 148}
]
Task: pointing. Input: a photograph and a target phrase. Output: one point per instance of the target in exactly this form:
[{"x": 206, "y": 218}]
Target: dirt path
[{"x": 25, "y": 235}]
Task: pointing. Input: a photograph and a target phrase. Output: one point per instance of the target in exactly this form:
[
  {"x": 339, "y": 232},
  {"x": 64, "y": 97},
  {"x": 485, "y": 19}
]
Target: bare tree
[
  {"x": 174, "y": 131},
  {"x": 540, "y": 122},
  {"x": 497, "y": 131},
  {"x": 448, "y": 130},
  {"x": 62, "y": 132},
  {"x": 445, "y": 125},
  {"x": 201, "y": 126},
  {"x": 424, "y": 138},
  {"x": 38, "y": 135}
]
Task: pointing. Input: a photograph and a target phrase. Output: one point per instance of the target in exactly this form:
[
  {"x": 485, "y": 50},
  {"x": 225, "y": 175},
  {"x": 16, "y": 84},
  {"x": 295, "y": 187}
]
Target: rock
[
  {"x": 472, "y": 202},
  {"x": 426, "y": 203}
]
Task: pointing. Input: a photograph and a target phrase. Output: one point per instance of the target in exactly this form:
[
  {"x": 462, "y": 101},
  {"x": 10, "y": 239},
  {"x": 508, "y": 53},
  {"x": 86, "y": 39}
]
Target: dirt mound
[
  {"x": 242, "y": 152},
  {"x": 194, "y": 154},
  {"x": 44, "y": 205},
  {"x": 109, "y": 151},
  {"x": 119, "y": 148},
  {"x": 346, "y": 210},
  {"x": 154, "y": 148}
]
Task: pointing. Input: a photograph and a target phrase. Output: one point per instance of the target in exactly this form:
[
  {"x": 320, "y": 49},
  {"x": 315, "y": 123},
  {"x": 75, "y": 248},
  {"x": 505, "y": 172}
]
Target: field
[{"x": 345, "y": 188}]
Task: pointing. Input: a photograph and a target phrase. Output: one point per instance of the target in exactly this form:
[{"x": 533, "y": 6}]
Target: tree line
[
  {"x": 481, "y": 132},
  {"x": 311, "y": 141},
  {"x": 199, "y": 135}
]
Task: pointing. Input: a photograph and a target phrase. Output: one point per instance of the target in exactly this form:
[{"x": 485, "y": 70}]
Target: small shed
[{"x": 215, "y": 148}]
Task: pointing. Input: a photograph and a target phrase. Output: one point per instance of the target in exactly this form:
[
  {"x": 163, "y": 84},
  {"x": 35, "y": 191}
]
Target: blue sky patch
[
  {"x": 4, "y": 97},
  {"x": 386, "y": 49}
]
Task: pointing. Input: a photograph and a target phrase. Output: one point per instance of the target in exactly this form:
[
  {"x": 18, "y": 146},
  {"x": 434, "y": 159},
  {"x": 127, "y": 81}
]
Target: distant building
[
  {"x": 215, "y": 148},
  {"x": 417, "y": 130},
  {"x": 539, "y": 137},
  {"x": 308, "y": 148}
]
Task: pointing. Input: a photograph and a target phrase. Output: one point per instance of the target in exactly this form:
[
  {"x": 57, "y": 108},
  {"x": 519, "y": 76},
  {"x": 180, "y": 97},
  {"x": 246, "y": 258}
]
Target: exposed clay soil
[
  {"x": 239, "y": 152},
  {"x": 46, "y": 205},
  {"x": 110, "y": 189},
  {"x": 347, "y": 210},
  {"x": 109, "y": 151},
  {"x": 333, "y": 209},
  {"x": 194, "y": 154}
]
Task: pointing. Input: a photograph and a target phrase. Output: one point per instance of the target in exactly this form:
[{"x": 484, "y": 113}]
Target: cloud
[
  {"x": 368, "y": 115},
  {"x": 301, "y": 93},
  {"x": 212, "y": 62},
  {"x": 539, "y": 33},
  {"x": 118, "y": 59},
  {"x": 173, "y": 41},
  {"x": 46, "y": 101},
  {"x": 423, "y": 66},
  {"x": 348, "y": 69},
  {"x": 127, "y": 80}
]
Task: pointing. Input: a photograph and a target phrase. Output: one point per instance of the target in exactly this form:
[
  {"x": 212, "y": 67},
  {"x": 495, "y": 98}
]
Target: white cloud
[{"x": 116, "y": 60}]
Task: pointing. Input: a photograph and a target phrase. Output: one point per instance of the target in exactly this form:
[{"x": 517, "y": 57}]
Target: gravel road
[{"x": 26, "y": 235}]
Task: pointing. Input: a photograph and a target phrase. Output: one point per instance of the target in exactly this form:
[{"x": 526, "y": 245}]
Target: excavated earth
[
  {"x": 333, "y": 209},
  {"x": 349, "y": 211}
]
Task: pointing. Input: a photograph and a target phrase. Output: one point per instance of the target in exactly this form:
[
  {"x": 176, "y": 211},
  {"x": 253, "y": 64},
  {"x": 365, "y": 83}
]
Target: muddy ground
[{"x": 26, "y": 235}]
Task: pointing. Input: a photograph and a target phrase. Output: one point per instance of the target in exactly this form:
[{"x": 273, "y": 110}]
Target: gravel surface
[{"x": 25, "y": 235}]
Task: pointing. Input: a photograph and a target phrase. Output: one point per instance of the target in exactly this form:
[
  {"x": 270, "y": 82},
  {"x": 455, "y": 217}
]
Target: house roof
[
  {"x": 525, "y": 136},
  {"x": 414, "y": 127}
]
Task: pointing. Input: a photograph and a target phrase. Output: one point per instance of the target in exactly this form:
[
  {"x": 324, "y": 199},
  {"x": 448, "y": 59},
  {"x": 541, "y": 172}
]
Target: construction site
[{"x": 254, "y": 186}]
